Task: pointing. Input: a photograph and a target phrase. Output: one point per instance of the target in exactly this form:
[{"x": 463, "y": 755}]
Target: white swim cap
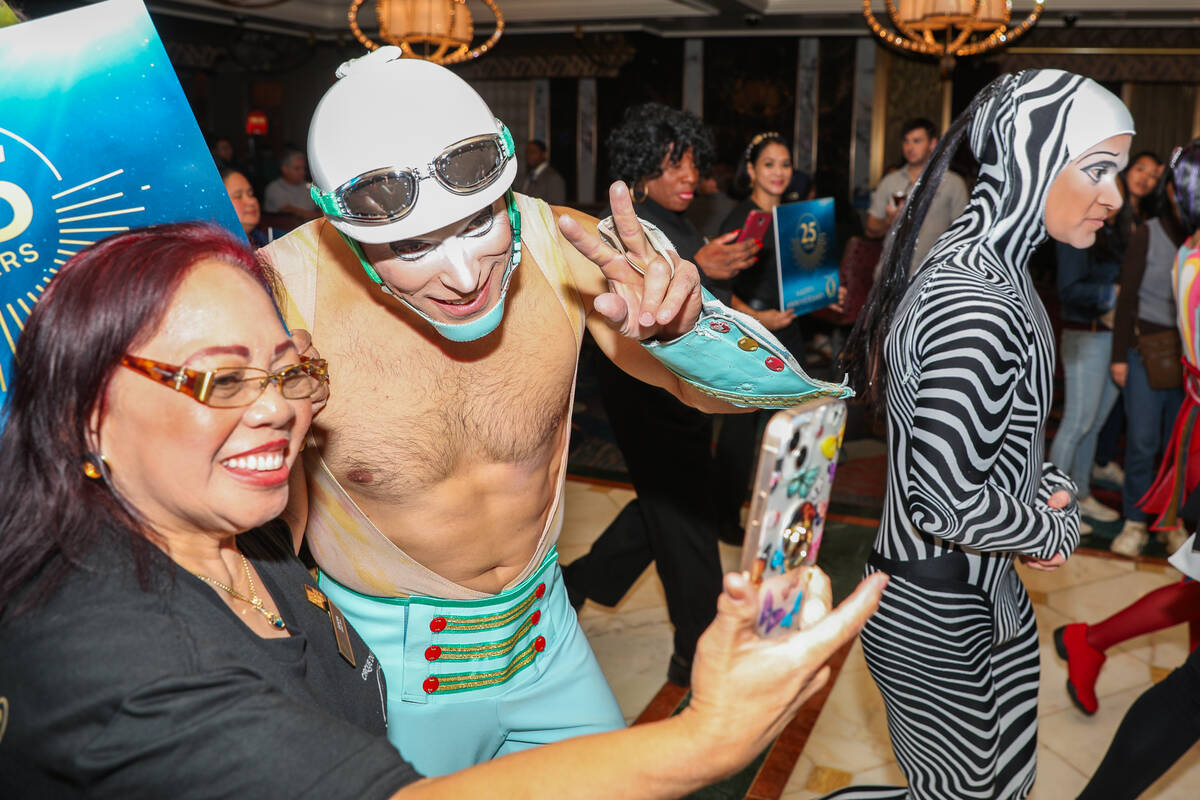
[{"x": 400, "y": 147}]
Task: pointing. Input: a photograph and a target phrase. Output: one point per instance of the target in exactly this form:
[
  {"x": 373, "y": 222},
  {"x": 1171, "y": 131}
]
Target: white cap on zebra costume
[
  {"x": 1023, "y": 128},
  {"x": 1094, "y": 110},
  {"x": 1027, "y": 128}
]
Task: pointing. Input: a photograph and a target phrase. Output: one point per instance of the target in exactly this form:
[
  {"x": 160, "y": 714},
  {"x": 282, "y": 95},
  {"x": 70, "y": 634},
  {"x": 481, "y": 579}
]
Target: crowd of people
[{"x": 381, "y": 390}]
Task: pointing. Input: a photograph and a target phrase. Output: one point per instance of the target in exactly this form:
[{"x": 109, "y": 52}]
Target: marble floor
[{"x": 850, "y": 742}]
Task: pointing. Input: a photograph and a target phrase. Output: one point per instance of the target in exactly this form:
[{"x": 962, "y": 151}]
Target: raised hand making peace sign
[{"x": 648, "y": 296}]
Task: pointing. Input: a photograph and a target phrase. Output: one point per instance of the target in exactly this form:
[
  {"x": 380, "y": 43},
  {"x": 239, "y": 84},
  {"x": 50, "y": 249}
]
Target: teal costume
[{"x": 469, "y": 680}]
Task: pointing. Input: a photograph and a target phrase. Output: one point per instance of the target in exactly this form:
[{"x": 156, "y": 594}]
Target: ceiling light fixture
[
  {"x": 435, "y": 30},
  {"x": 949, "y": 28}
]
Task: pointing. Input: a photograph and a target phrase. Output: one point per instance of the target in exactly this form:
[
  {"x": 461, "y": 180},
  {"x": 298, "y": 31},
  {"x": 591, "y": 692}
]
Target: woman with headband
[
  {"x": 764, "y": 174},
  {"x": 962, "y": 359}
]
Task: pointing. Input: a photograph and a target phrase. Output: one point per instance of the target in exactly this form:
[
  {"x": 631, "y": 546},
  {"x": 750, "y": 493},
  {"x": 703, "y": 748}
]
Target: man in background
[
  {"x": 542, "y": 180},
  {"x": 919, "y": 137},
  {"x": 288, "y": 194}
]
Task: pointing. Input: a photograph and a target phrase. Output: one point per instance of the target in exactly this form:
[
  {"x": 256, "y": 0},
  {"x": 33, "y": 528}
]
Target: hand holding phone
[
  {"x": 792, "y": 486},
  {"x": 755, "y": 226}
]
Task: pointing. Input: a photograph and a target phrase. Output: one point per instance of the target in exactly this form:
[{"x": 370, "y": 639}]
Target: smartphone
[
  {"x": 755, "y": 226},
  {"x": 792, "y": 485}
]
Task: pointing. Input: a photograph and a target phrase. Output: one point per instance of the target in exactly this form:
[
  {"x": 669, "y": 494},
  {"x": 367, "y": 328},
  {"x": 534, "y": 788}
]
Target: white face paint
[
  {"x": 452, "y": 275},
  {"x": 1085, "y": 193}
]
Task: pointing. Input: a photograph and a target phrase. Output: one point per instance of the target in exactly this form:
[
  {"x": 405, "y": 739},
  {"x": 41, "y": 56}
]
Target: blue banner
[
  {"x": 806, "y": 244},
  {"x": 96, "y": 137}
]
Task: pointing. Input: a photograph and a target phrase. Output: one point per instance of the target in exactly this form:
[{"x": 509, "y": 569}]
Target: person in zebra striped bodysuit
[{"x": 962, "y": 357}]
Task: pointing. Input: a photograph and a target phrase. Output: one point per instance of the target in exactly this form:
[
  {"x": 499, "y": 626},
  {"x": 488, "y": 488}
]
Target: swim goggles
[{"x": 388, "y": 194}]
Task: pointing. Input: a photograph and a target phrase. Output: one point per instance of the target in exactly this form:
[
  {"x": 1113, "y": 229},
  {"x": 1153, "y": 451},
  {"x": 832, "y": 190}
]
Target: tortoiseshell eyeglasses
[{"x": 232, "y": 387}]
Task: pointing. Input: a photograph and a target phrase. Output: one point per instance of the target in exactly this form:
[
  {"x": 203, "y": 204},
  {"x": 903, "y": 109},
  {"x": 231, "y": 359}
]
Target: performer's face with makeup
[
  {"x": 1086, "y": 192},
  {"x": 453, "y": 274}
]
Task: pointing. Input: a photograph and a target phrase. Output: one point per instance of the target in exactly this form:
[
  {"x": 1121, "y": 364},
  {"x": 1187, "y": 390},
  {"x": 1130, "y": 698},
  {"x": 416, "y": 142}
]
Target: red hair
[{"x": 101, "y": 303}]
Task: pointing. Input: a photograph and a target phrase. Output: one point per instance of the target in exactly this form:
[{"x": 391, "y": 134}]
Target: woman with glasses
[{"x": 158, "y": 637}]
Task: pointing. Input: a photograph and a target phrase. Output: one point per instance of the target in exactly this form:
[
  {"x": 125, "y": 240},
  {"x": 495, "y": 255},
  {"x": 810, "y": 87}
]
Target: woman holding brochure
[{"x": 764, "y": 171}]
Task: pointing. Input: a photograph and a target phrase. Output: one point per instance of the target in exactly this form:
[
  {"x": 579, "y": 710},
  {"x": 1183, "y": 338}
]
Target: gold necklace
[{"x": 253, "y": 599}]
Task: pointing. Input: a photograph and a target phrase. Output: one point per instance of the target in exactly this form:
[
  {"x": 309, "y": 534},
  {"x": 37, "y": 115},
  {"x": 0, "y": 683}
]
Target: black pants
[
  {"x": 667, "y": 448},
  {"x": 736, "y": 458},
  {"x": 1158, "y": 729},
  {"x": 740, "y": 437}
]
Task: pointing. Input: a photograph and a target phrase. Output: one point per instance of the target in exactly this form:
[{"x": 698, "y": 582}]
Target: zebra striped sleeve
[{"x": 970, "y": 437}]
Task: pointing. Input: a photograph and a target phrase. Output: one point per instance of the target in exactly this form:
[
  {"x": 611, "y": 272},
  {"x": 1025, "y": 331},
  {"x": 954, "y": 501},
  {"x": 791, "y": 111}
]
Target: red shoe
[{"x": 1083, "y": 665}]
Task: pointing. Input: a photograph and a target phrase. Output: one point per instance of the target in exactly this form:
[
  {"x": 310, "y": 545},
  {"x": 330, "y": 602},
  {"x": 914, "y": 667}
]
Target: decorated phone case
[{"x": 787, "y": 510}]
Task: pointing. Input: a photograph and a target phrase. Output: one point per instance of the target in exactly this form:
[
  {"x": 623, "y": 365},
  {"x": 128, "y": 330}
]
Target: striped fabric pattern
[{"x": 971, "y": 360}]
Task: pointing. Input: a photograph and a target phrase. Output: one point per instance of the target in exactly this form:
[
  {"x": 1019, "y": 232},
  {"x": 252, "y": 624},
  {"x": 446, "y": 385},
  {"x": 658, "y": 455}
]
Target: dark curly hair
[
  {"x": 1183, "y": 173},
  {"x": 651, "y": 132}
]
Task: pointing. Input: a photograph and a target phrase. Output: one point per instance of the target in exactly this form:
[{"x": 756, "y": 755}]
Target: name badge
[{"x": 341, "y": 629}]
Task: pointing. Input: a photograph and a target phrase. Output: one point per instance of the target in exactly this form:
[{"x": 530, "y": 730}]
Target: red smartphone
[{"x": 755, "y": 226}]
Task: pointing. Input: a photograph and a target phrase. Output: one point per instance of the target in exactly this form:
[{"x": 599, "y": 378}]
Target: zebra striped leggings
[{"x": 962, "y": 710}]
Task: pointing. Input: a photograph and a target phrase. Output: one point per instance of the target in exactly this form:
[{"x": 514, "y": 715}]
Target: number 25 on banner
[{"x": 808, "y": 234}]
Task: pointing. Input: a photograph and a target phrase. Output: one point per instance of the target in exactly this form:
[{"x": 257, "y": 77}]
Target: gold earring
[
  {"x": 640, "y": 186},
  {"x": 91, "y": 466}
]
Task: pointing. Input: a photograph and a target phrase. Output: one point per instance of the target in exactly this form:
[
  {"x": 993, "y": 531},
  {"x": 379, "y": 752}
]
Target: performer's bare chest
[{"x": 409, "y": 411}]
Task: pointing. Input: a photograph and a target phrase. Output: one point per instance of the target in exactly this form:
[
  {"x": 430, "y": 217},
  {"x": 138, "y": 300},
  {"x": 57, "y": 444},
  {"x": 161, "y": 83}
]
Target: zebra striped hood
[{"x": 1032, "y": 125}]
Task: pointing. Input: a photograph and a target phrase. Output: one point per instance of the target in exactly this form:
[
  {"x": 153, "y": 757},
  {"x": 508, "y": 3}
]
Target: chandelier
[
  {"x": 950, "y": 28},
  {"x": 435, "y": 30},
  {"x": 250, "y": 4}
]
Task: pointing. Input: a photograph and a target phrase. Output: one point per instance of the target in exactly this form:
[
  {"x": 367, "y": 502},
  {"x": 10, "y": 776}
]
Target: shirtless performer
[{"x": 434, "y": 475}]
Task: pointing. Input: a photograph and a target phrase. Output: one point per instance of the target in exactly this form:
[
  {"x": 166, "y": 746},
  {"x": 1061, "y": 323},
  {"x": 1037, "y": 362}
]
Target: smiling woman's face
[
  {"x": 189, "y": 468},
  {"x": 1086, "y": 192},
  {"x": 772, "y": 170}
]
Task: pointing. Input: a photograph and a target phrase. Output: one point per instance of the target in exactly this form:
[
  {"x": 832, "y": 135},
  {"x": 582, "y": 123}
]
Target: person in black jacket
[{"x": 660, "y": 152}]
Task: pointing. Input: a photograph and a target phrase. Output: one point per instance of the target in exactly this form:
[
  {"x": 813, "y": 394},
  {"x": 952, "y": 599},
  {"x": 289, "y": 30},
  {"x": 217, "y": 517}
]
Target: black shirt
[
  {"x": 119, "y": 691},
  {"x": 686, "y": 239},
  {"x": 758, "y": 284}
]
